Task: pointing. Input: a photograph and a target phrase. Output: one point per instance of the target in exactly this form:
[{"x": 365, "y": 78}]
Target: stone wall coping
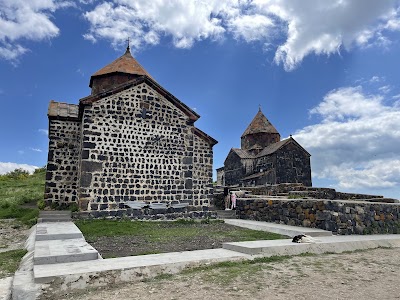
[{"x": 267, "y": 198}]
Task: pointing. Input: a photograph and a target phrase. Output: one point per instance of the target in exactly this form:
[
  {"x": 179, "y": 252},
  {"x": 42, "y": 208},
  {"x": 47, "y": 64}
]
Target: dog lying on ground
[{"x": 302, "y": 238}]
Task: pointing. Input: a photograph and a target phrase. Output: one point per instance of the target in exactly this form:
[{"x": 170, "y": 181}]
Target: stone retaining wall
[
  {"x": 343, "y": 217},
  {"x": 147, "y": 214},
  {"x": 297, "y": 189}
]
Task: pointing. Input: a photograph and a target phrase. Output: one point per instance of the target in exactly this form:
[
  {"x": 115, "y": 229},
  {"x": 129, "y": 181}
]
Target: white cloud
[
  {"x": 44, "y": 131},
  {"x": 376, "y": 79},
  {"x": 324, "y": 27},
  {"x": 347, "y": 103},
  {"x": 385, "y": 89},
  {"x": 356, "y": 142},
  {"x": 308, "y": 26},
  {"x": 146, "y": 21},
  {"x": 36, "y": 149},
  {"x": 6, "y": 167},
  {"x": 251, "y": 28},
  {"x": 26, "y": 20}
]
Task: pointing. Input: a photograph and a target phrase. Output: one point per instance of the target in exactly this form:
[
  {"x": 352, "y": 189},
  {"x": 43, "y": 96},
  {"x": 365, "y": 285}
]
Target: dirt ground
[
  {"x": 12, "y": 235},
  {"x": 372, "y": 274},
  {"x": 207, "y": 238}
]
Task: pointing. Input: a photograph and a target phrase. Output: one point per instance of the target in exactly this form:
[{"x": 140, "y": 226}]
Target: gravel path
[{"x": 373, "y": 274}]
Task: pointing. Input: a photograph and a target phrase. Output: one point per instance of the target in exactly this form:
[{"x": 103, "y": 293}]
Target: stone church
[
  {"x": 265, "y": 159},
  {"x": 130, "y": 140}
]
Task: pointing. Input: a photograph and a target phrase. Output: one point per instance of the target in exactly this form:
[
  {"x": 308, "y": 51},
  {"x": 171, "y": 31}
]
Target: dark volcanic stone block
[
  {"x": 188, "y": 184},
  {"x": 89, "y": 145},
  {"x": 90, "y": 166}
]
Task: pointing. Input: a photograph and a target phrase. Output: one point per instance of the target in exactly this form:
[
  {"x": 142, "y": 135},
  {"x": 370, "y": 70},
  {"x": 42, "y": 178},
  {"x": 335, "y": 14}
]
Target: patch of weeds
[
  {"x": 239, "y": 264},
  {"x": 9, "y": 261},
  {"x": 212, "y": 221},
  {"x": 184, "y": 221},
  {"x": 27, "y": 216},
  {"x": 169, "y": 232},
  {"x": 295, "y": 196},
  {"x": 165, "y": 276},
  {"x": 148, "y": 252},
  {"x": 354, "y": 251},
  {"x": 41, "y": 204},
  {"x": 271, "y": 259},
  {"x": 73, "y": 207},
  {"x": 306, "y": 254},
  {"x": 18, "y": 190}
]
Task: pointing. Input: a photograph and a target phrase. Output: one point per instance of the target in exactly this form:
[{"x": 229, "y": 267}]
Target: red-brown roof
[
  {"x": 260, "y": 124},
  {"x": 242, "y": 153},
  {"x": 276, "y": 146},
  {"x": 124, "y": 64}
]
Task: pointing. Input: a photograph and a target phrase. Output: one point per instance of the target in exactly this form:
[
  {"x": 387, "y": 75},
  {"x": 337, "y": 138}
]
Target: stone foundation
[
  {"x": 341, "y": 217},
  {"x": 299, "y": 190},
  {"x": 147, "y": 214}
]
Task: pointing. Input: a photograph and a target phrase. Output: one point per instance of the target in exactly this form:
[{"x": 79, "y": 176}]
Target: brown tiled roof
[
  {"x": 59, "y": 110},
  {"x": 242, "y": 153},
  {"x": 272, "y": 148},
  {"x": 260, "y": 124},
  {"x": 124, "y": 64}
]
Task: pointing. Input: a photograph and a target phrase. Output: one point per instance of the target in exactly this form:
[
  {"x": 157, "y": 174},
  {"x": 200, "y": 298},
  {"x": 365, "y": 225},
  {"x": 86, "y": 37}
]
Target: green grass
[
  {"x": 165, "y": 231},
  {"x": 15, "y": 192},
  {"x": 9, "y": 261}
]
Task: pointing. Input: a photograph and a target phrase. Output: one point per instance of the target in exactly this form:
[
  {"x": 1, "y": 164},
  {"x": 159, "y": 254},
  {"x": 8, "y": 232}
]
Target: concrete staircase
[
  {"x": 226, "y": 214},
  {"x": 58, "y": 240},
  {"x": 54, "y": 216}
]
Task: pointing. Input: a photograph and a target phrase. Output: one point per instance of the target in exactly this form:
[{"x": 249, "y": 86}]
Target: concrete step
[
  {"x": 53, "y": 220},
  {"x": 278, "y": 228},
  {"x": 226, "y": 214},
  {"x": 323, "y": 244},
  {"x": 5, "y": 288},
  {"x": 54, "y": 216},
  {"x": 63, "y": 251},
  {"x": 54, "y": 212},
  {"x": 57, "y": 231},
  {"x": 282, "y": 194},
  {"x": 131, "y": 268}
]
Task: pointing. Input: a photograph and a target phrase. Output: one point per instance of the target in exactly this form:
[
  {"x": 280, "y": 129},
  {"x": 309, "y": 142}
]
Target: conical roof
[
  {"x": 124, "y": 64},
  {"x": 260, "y": 124}
]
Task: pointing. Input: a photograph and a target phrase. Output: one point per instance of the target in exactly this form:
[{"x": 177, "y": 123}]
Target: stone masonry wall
[
  {"x": 136, "y": 146},
  {"x": 202, "y": 172},
  {"x": 234, "y": 170},
  {"x": 293, "y": 165},
  {"x": 261, "y": 139},
  {"x": 63, "y": 162},
  {"x": 343, "y": 217}
]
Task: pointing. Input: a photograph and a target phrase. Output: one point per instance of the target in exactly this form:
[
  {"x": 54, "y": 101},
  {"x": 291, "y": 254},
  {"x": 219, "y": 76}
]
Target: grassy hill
[{"x": 19, "y": 193}]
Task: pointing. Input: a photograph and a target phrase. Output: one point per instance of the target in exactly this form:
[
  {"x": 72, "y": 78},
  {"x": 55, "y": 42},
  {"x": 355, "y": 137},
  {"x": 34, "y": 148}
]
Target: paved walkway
[
  {"x": 290, "y": 231},
  {"x": 75, "y": 264}
]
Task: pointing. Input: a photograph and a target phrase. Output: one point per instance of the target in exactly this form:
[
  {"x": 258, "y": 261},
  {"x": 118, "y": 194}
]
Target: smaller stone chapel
[
  {"x": 265, "y": 159},
  {"x": 130, "y": 141}
]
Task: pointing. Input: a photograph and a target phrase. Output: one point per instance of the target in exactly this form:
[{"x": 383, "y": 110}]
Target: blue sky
[{"x": 325, "y": 71}]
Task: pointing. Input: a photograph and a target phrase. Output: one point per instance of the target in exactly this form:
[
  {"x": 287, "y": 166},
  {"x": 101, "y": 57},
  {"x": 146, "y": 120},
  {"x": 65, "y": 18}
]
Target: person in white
[{"x": 233, "y": 200}]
